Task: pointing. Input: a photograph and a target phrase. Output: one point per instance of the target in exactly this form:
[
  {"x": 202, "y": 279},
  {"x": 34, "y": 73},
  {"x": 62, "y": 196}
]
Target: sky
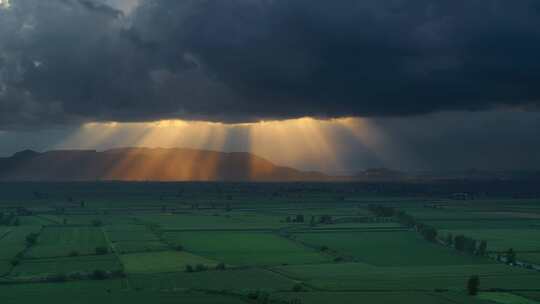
[{"x": 313, "y": 84}]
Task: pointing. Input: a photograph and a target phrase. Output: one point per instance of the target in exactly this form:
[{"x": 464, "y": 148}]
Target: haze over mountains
[{"x": 145, "y": 164}]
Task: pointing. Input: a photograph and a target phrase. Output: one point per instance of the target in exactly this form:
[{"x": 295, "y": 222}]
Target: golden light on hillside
[{"x": 297, "y": 143}]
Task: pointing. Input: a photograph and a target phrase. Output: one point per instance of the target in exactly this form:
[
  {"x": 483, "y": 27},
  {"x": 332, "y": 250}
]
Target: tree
[
  {"x": 470, "y": 245},
  {"x": 101, "y": 250},
  {"x": 201, "y": 267},
  {"x": 429, "y": 233},
  {"x": 221, "y": 266},
  {"x": 325, "y": 219},
  {"x": 99, "y": 274},
  {"x": 450, "y": 240},
  {"x": 189, "y": 268},
  {"x": 482, "y": 249},
  {"x": 31, "y": 239},
  {"x": 382, "y": 211},
  {"x": 297, "y": 287},
  {"x": 511, "y": 256},
  {"x": 473, "y": 284}
]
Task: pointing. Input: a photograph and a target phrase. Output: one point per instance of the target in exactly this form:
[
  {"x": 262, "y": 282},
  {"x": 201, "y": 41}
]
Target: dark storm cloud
[{"x": 67, "y": 61}]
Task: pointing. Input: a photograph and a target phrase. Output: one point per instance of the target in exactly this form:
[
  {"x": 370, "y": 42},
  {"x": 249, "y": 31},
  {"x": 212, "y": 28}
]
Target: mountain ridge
[{"x": 147, "y": 164}]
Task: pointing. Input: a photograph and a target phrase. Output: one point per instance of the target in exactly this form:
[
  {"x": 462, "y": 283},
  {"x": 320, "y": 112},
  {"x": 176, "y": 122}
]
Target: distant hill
[{"x": 145, "y": 164}]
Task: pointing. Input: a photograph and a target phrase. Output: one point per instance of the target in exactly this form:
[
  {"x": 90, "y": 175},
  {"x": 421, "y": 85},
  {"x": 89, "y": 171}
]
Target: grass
[
  {"x": 103, "y": 292},
  {"x": 378, "y": 297},
  {"x": 403, "y": 248},
  {"x": 242, "y": 279},
  {"x": 532, "y": 295},
  {"x": 503, "y": 239},
  {"x": 166, "y": 261},
  {"x": 505, "y": 298},
  {"x": 481, "y": 224},
  {"x": 392, "y": 265},
  {"x": 245, "y": 248},
  {"x": 130, "y": 233},
  {"x": 140, "y": 246},
  {"x": 15, "y": 241},
  {"x": 214, "y": 220},
  {"x": 533, "y": 257},
  {"x": 43, "y": 267},
  {"x": 63, "y": 241},
  {"x": 357, "y": 276}
]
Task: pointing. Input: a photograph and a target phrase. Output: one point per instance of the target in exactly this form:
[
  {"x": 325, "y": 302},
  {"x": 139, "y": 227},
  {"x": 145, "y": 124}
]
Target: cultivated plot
[
  {"x": 67, "y": 241},
  {"x": 166, "y": 261},
  {"x": 230, "y": 279},
  {"x": 356, "y": 276},
  {"x": 245, "y": 248},
  {"x": 66, "y": 266},
  {"x": 401, "y": 248}
]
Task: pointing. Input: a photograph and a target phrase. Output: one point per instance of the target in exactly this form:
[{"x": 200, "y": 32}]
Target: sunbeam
[{"x": 307, "y": 143}]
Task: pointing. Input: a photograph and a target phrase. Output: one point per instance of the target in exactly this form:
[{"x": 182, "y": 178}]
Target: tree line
[{"x": 461, "y": 243}]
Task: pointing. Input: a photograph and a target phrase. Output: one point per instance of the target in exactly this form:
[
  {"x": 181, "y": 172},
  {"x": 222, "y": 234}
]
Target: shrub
[
  {"x": 56, "y": 278},
  {"x": 99, "y": 274},
  {"x": 297, "y": 287},
  {"x": 76, "y": 276},
  {"x": 253, "y": 295},
  {"x": 119, "y": 273},
  {"x": 473, "y": 284},
  {"x": 189, "y": 268},
  {"x": 31, "y": 239},
  {"x": 220, "y": 266},
  {"x": 101, "y": 250},
  {"x": 201, "y": 267},
  {"x": 74, "y": 253}
]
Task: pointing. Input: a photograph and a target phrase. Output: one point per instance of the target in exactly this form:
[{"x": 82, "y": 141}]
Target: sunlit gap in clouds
[{"x": 305, "y": 143}]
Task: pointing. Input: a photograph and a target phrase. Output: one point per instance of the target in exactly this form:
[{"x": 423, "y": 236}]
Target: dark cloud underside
[{"x": 65, "y": 61}]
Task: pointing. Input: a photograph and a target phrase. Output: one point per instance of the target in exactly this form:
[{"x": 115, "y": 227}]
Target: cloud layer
[{"x": 70, "y": 61}]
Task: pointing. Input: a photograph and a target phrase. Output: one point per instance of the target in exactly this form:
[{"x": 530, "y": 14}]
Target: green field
[
  {"x": 64, "y": 241},
  {"x": 139, "y": 246},
  {"x": 66, "y": 266},
  {"x": 531, "y": 295},
  {"x": 13, "y": 241},
  {"x": 244, "y": 245},
  {"x": 505, "y": 298},
  {"x": 356, "y": 276},
  {"x": 213, "y": 220},
  {"x": 388, "y": 248},
  {"x": 245, "y": 248},
  {"x": 503, "y": 239},
  {"x": 165, "y": 261},
  {"x": 122, "y": 233},
  {"x": 529, "y": 257},
  {"x": 232, "y": 279},
  {"x": 378, "y": 297},
  {"x": 108, "y": 292}
]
